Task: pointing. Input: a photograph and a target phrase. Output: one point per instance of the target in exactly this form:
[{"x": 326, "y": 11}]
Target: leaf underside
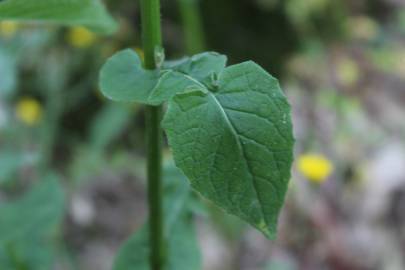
[
  {"x": 88, "y": 13},
  {"x": 234, "y": 143}
]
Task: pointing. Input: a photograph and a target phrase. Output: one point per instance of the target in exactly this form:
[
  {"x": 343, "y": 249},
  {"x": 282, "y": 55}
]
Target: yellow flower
[
  {"x": 8, "y": 28},
  {"x": 315, "y": 167},
  {"x": 347, "y": 72},
  {"x": 29, "y": 111},
  {"x": 80, "y": 37}
]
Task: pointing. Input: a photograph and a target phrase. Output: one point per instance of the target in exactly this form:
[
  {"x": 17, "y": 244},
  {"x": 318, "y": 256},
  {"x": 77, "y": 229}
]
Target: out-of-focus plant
[
  {"x": 29, "y": 111},
  {"x": 29, "y": 223},
  {"x": 8, "y": 28},
  {"x": 300, "y": 11},
  {"x": 192, "y": 26},
  {"x": 347, "y": 72},
  {"x": 80, "y": 37},
  {"x": 33, "y": 219},
  {"x": 320, "y": 18},
  {"x": 362, "y": 27},
  {"x": 229, "y": 128}
]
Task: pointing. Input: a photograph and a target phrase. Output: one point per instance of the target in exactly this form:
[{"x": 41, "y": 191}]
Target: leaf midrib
[{"x": 240, "y": 146}]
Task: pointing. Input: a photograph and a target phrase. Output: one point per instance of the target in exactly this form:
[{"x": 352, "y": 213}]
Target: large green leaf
[
  {"x": 123, "y": 78},
  {"x": 183, "y": 252},
  {"x": 235, "y": 143},
  {"x": 89, "y": 13}
]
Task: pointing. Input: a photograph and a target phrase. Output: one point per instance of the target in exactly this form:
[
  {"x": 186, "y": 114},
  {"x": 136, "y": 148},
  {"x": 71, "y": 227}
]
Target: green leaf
[
  {"x": 88, "y": 13},
  {"x": 11, "y": 161},
  {"x": 35, "y": 214},
  {"x": 123, "y": 78},
  {"x": 8, "y": 73},
  {"x": 25, "y": 254},
  {"x": 134, "y": 254},
  {"x": 200, "y": 66},
  {"x": 183, "y": 251},
  {"x": 28, "y": 223},
  {"x": 171, "y": 83},
  {"x": 235, "y": 144}
]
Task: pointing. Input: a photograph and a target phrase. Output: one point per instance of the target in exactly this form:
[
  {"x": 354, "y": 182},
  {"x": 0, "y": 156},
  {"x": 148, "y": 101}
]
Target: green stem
[
  {"x": 192, "y": 26},
  {"x": 49, "y": 131},
  {"x": 152, "y": 41}
]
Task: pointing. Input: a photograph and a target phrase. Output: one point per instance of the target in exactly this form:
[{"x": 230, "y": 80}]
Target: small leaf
[
  {"x": 123, "y": 78},
  {"x": 89, "y": 13},
  {"x": 235, "y": 145}
]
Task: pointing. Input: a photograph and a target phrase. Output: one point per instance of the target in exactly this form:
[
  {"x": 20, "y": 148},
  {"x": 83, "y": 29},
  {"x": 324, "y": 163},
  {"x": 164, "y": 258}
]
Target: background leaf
[
  {"x": 89, "y": 13},
  {"x": 183, "y": 251},
  {"x": 8, "y": 73},
  {"x": 108, "y": 124},
  {"x": 27, "y": 224},
  {"x": 11, "y": 161},
  {"x": 36, "y": 213},
  {"x": 235, "y": 145}
]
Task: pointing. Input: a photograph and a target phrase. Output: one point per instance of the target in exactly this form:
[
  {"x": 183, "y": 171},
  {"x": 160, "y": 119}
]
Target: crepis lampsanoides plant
[{"x": 229, "y": 128}]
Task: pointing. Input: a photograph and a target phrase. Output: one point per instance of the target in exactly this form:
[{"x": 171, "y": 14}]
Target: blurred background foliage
[{"x": 72, "y": 163}]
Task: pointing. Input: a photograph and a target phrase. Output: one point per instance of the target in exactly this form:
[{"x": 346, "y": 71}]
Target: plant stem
[
  {"x": 152, "y": 40},
  {"x": 192, "y": 26}
]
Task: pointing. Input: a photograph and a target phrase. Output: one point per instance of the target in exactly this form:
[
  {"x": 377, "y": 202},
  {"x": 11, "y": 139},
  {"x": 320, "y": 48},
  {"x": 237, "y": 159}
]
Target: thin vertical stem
[
  {"x": 192, "y": 26},
  {"x": 152, "y": 40}
]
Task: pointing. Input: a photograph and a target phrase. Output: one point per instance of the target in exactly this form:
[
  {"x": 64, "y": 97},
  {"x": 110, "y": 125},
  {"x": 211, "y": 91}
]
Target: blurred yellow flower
[
  {"x": 315, "y": 167},
  {"x": 347, "y": 72},
  {"x": 29, "y": 111},
  {"x": 80, "y": 37},
  {"x": 8, "y": 28}
]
